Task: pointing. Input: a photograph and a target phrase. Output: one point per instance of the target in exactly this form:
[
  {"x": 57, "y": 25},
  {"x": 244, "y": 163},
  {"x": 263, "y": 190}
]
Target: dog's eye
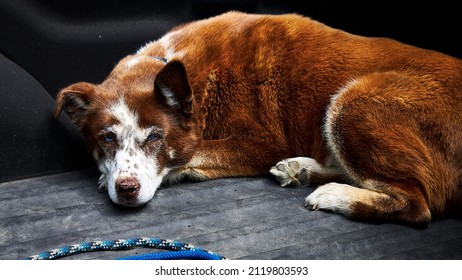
[
  {"x": 152, "y": 137},
  {"x": 109, "y": 138}
]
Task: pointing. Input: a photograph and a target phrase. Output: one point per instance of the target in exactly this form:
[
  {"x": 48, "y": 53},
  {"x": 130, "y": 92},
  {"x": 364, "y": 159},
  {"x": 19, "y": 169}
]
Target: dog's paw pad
[
  {"x": 283, "y": 173},
  {"x": 293, "y": 165},
  {"x": 290, "y": 172}
]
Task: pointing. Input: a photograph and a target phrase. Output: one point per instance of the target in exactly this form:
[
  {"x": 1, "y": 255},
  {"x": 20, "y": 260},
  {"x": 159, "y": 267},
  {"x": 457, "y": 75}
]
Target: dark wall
[
  {"x": 32, "y": 141},
  {"x": 62, "y": 42}
]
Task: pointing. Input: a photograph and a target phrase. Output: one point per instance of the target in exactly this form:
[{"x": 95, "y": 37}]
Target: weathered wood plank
[{"x": 242, "y": 218}]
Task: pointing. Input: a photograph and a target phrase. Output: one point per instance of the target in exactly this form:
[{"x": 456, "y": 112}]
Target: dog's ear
[
  {"x": 74, "y": 100},
  {"x": 172, "y": 86}
]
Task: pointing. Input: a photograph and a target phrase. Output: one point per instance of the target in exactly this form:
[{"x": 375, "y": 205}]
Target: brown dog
[{"x": 235, "y": 94}]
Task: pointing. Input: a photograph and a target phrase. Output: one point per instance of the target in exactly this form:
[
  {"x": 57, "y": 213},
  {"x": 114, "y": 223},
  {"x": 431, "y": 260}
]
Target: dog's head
[{"x": 138, "y": 125}]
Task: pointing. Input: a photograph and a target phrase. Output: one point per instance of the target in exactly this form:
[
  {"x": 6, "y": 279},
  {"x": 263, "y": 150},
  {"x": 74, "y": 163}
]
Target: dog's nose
[{"x": 127, "y": 189}]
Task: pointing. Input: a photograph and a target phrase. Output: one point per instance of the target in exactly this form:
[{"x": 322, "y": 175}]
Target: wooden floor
[{"x": 244, "y": 218}]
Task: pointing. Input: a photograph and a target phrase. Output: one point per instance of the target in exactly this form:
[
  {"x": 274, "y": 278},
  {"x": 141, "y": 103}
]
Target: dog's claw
[{"x": 311, "y": 207}]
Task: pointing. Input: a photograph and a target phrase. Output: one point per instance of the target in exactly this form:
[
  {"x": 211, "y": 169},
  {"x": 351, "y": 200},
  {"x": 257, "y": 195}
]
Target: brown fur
[{"x": 260, "y": 87}]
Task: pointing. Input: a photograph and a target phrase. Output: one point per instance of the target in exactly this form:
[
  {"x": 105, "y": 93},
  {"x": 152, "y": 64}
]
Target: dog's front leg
[{"x": 231, "y": 158}]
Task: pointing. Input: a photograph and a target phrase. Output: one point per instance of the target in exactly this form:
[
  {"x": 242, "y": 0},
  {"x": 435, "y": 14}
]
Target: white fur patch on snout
[
  {"x": 133, "y": 163},
  {"x": 130, "y": 160}
]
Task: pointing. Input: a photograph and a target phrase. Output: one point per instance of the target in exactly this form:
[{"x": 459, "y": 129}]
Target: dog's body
[{"x": 235, "y": 94}]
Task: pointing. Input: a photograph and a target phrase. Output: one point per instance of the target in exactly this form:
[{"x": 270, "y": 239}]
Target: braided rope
[{"x": 119, "y": 244}]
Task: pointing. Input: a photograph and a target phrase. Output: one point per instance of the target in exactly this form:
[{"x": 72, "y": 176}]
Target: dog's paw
[
  {"x": 332, "y": 197},
  {"x": 295, "y": 171}
]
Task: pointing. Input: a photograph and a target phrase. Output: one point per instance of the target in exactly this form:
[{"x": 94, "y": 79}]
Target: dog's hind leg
[
  {"x": 387, "y": 203},
  {"x": 373, "y": 128}
]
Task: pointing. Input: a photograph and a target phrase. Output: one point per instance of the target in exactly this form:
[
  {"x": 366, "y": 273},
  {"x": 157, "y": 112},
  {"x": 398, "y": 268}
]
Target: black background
[{"x": 62, "y": 42}]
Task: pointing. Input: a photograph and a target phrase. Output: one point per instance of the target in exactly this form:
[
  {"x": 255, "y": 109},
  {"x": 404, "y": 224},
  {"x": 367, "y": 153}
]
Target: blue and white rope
[{"x": 183, "y": 250}]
